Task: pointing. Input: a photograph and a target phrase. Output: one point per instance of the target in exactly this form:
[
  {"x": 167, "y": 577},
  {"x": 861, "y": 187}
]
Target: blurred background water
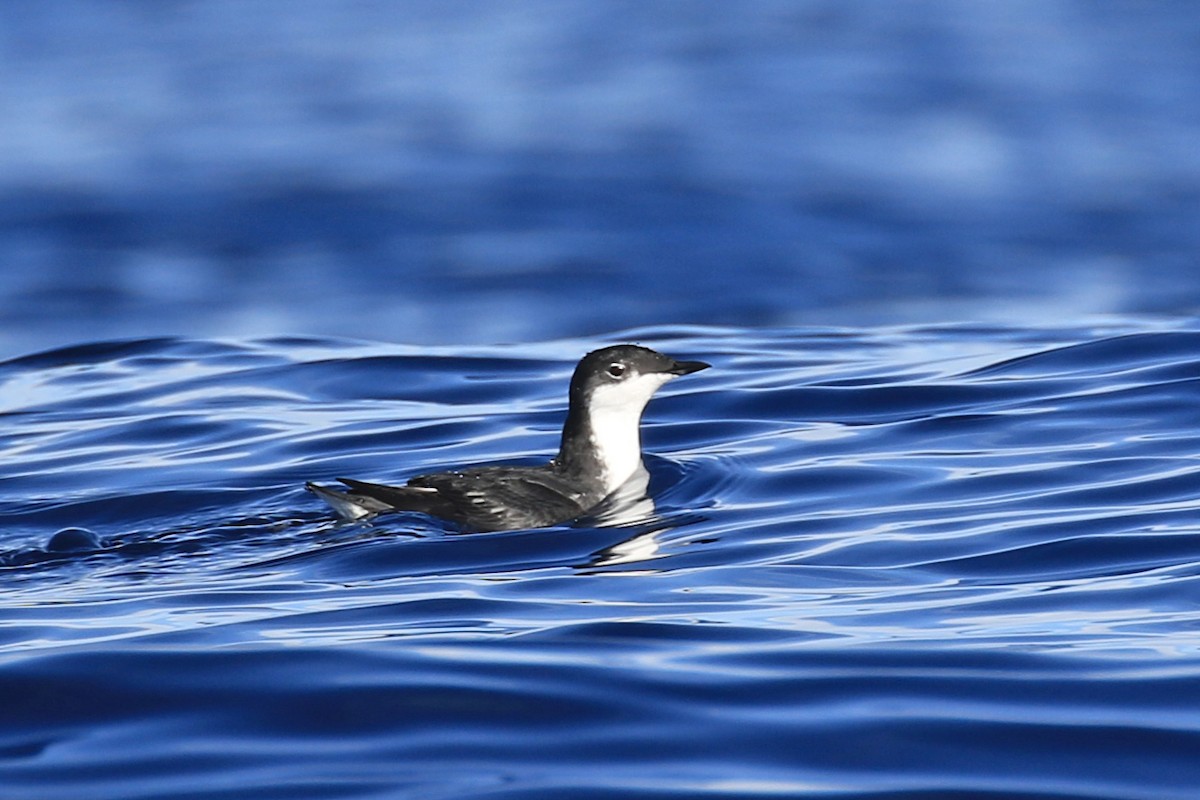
[
  {"x": 928, "y": 529},
  {"x": 455, "y": 172}
]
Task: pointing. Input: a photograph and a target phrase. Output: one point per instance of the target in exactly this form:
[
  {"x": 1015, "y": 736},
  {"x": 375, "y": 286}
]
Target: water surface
[{"x": 895, "y": 563}]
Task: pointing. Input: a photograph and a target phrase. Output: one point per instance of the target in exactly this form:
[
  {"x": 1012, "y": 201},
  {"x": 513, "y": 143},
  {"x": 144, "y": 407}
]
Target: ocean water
[
  {"x": 440, "y": 172},
  {"x": 943, "y": 561},
  {"x": 927, "y": 529}
]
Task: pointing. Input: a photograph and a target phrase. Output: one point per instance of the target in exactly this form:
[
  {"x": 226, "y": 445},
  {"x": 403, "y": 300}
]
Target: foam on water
[{"x": 933, "y": 562}]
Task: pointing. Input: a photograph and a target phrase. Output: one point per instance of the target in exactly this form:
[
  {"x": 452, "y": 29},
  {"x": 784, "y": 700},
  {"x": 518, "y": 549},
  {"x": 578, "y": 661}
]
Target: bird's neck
[{"x": 604, "y": 442}]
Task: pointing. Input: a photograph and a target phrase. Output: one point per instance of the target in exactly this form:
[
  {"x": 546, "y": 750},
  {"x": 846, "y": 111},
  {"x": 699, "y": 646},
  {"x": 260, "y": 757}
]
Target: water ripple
[{"x": 901, "y": 563}]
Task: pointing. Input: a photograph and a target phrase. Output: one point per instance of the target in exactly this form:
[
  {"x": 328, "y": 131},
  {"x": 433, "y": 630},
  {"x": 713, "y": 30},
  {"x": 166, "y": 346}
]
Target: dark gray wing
[
  {"x": 507, "y": 498},
  {"x": 487, "y": 498}
]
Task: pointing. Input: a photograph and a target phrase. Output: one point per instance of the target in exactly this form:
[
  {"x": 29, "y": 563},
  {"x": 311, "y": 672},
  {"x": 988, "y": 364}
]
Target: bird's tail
[{"x": 350, "y": 506}]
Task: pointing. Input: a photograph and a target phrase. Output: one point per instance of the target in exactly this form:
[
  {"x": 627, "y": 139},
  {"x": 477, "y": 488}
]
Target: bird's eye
[{"x": 616, "y": 369}]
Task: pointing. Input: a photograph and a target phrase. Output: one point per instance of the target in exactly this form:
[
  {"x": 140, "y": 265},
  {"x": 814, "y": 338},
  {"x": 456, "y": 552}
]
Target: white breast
[{"x": 615, "y": 414}]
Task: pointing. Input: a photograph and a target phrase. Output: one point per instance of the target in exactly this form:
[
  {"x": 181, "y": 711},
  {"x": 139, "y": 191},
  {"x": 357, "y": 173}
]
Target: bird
[{"x": 599, "y": 454}]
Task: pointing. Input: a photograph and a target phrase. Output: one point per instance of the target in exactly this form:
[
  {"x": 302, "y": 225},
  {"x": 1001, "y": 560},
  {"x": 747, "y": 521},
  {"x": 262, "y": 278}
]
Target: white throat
[{"x": 615, "y": 414}]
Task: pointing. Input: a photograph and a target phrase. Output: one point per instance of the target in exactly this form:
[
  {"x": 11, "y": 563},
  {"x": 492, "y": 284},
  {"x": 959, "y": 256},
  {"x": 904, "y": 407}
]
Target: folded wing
[{"x": 484, "y": 499}]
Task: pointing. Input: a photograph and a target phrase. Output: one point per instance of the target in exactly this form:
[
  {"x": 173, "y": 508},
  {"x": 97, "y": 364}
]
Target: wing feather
[{"x": 485, "y": 499}]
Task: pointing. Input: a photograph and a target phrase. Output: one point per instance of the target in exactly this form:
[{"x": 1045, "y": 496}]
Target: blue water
[
  {"x": 928, "y": 528},
  {"x": 943, "y": 561},
  {"x": 445, "y": 172}
]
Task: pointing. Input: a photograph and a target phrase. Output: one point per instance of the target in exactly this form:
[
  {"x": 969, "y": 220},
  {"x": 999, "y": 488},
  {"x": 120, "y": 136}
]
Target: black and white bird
[{"x": 601, "y": 452}]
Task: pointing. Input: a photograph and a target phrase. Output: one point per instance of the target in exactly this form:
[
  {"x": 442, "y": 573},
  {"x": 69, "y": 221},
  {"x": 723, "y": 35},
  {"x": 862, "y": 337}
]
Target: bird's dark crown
[{"x": 616, "y": 363}]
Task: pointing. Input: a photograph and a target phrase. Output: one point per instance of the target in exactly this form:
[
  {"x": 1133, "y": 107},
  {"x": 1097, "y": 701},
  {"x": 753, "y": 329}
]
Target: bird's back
[{"x": 487, "y": 498}]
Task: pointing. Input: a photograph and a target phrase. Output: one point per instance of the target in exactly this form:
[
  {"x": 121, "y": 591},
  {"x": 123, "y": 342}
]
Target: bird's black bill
[{"x": 687, "y": 367}]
